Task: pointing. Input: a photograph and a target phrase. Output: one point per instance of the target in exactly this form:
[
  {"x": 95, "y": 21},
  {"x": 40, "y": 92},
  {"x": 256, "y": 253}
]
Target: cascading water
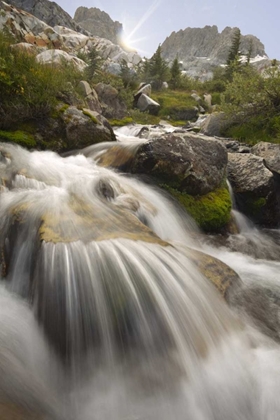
[{"x": 103, "y": 313}]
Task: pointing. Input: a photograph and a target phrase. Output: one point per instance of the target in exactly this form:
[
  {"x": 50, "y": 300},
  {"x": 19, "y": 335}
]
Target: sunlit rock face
[
  {"x": 28, "y": 28},
  {"x": 47, "y": 11}
]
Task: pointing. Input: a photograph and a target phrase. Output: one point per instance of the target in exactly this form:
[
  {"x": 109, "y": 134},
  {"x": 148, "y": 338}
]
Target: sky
[{"x": 147, "y": 23}]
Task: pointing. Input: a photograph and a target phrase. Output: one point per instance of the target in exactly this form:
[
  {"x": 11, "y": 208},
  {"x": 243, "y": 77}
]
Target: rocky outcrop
[
  {"x": 60, "y": 57},
  {"x": 90, "y": 96},
  {"x": 29, "y": 29},
  {"x": 201, "y": 49},
  {"x": 47, "y": 11},
  {"x": 67, "y": 128},
  {"x": 254, "y": 188},
  {"x": 98, "y": 23}
]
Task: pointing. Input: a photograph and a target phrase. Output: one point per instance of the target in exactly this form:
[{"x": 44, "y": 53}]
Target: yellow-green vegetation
[
  {"x": 173, "y": 102},
  {"x": 256, "y": 129},
  {"x": 122, "y": 122},
  {"x": 144, "y": 117},
  {"x": 59, "y": 109},
  {"x": 19, "y": 137},
  {"x": 252, "y": 103},
  {"x": 89, "y": 114},
  {"x": 210, "y": 211}
]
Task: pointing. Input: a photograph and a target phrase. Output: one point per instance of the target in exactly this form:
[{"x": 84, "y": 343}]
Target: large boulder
[
  {"x": 266, "y": 150},
  {"x": 213, "y": 124},
  {"x": 147, "y": 104},
  {"x": 260, "y": 303},
  {"x": 59, "y": 57},
  {"x": 254, "y": 188},
  {"x": 187, "y": 162},
  {"x": 190, "y": 167},
  {"x": 90, "y": 96},
  {"x": 112, "y": 105},
  {"x": 83, "y": 128}
]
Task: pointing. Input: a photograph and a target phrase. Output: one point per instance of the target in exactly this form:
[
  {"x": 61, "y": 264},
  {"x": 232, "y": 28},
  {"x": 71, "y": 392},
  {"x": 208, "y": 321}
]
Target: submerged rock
[{"x": 226, "y": 280}]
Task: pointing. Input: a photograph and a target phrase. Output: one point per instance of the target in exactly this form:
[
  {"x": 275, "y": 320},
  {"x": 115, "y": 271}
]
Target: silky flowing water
[{"x": 103, "y": 315}]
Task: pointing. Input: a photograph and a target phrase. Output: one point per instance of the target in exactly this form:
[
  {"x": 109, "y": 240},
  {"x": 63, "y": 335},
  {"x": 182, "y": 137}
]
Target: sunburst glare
[{"x": 127, "y": 39}]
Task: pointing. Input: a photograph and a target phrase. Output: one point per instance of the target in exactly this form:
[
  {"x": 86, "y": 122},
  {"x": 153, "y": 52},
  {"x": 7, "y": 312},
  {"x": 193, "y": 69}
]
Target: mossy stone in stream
[{"x": 210, "y": 211}]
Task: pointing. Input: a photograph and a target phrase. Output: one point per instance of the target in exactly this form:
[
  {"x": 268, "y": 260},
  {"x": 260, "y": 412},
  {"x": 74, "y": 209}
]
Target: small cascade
[{"x": 107, "y": 310}]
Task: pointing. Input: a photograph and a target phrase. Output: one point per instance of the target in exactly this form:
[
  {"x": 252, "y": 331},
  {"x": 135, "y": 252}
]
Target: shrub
[{"x": 29, "y": 89}]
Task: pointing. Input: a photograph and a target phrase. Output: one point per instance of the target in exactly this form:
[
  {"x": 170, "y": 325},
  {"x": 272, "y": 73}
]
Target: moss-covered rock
[
  {"x": 210, "y": 211},
  {"x": 19, "y": 137}
]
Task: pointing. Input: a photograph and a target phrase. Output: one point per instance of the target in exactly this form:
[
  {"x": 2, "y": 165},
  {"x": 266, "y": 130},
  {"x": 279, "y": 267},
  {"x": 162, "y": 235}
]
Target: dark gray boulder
[
  {"x": 187, "y": 162},
  {"x": 112, "y": 105},
  {"x": 83, "y": 128},
  {"x": 254, "y": 188}
]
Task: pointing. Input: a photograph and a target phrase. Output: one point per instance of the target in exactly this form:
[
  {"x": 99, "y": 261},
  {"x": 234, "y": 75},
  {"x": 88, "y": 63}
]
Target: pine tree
[
  {"x": 249, "y": 53},
  {"x": 175, "y": 72},
  {"x": 94, "y": 63},
  {"x": 234, "y": 52},
  {"x": 233, "y": 63},
  {"x": 158, "y": 69}
]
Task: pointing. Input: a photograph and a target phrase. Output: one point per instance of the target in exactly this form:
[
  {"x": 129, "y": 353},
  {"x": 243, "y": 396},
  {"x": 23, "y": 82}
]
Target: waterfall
[{"x": 103, "y": 313}]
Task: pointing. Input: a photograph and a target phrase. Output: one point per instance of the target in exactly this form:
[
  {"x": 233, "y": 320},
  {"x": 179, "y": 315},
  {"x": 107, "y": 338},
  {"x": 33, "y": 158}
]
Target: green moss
[
  {"x": 92, "y": 117},
  {"x": 20, "y": 137},
  {"x": 122, "y": 122},
  {"x": 177, "y": 123},
  {"x": 210, "y": 211},
  {"x": 57, "y": 111}
]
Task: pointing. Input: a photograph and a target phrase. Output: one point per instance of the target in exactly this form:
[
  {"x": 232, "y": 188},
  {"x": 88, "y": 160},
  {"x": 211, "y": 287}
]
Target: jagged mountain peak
[
  {"x": 98, "y": 22},
  {"x": 202, "y": 49}
]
